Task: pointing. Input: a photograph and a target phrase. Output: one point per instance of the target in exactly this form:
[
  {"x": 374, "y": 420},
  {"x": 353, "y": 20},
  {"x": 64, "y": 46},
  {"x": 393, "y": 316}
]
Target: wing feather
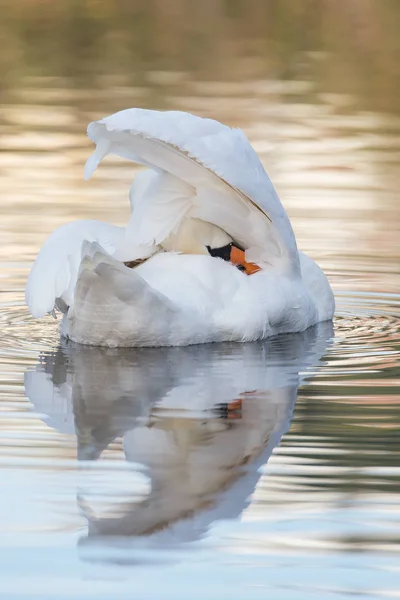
[
  {"x": 52, "y": 279},
  {"x": 227, "y": 181}
]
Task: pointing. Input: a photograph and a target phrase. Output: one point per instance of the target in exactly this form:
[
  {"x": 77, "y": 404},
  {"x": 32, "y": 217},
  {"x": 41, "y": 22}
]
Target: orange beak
[{"x": 237, "y": 257}]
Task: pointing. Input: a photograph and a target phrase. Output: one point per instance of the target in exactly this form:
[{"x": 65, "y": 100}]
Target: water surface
[{"x": 123, "y": 474}]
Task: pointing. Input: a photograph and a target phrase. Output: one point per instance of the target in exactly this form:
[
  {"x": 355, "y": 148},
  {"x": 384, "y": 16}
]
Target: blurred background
[{"x": 315, "y": 85}]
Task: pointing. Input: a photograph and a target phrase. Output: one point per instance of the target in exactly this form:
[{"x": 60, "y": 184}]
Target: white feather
[
  {"x": 228, "y": 184},
  {"x": 178, "y": 299},
  {"x": 159, "y": 209},
  {"x": 54, "y": 273}
]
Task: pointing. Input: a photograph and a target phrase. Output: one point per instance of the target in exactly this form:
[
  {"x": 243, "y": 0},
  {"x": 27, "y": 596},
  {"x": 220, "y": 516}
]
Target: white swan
[{"x": 205, "y": 196}]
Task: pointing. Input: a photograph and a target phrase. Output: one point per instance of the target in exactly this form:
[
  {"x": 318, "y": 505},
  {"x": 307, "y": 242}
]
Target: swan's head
[{"x": 195, "y": 236}]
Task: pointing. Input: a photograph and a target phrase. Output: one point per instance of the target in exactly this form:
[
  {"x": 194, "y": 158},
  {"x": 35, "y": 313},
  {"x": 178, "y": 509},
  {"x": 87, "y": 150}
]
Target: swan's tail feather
[{"x": 113, "y": 303}]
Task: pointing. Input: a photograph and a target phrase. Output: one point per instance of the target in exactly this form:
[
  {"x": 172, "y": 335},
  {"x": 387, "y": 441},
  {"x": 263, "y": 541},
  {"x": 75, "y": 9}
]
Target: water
[{"x": 122, "y": 475}]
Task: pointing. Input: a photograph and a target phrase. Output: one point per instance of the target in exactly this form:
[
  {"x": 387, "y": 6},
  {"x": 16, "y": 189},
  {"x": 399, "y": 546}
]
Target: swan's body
[{"x": 205, "y": 189}]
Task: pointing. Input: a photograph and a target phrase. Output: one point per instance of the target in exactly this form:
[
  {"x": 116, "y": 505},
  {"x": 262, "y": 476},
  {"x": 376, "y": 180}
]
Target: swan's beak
[{"x": 236, "y": 256}]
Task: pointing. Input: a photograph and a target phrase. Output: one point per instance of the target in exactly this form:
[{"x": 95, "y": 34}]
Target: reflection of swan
[
  {"x": 162, "y": 402},
  {"x": 206, "y": 197}
]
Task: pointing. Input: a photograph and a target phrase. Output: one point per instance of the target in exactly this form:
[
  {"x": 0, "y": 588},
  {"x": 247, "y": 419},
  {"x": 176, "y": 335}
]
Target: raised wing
[
  {"x": 225, "y": 181},
  {"x": 51, "y": 282}
]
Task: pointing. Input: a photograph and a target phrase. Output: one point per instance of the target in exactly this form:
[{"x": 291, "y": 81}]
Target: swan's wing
[
  {"x": 52, "y": 279},
  {"x": 227, "y": 183},
  {"x": 159, "y": 202}
]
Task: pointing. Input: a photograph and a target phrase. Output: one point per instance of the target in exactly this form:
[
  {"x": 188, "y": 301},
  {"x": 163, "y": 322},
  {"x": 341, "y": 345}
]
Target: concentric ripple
[{"x": 328, "y": 494}]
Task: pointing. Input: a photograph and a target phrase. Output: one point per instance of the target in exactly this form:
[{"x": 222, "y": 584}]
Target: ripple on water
[{"x": 107, "y": 448}]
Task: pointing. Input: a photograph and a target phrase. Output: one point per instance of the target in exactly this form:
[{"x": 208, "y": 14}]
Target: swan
[{"x": 208, "y": 253}]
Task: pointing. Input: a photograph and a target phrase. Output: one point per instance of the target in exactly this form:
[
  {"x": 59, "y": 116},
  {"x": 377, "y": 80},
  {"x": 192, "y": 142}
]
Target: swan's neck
[{"x": 193, "y": 236}]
